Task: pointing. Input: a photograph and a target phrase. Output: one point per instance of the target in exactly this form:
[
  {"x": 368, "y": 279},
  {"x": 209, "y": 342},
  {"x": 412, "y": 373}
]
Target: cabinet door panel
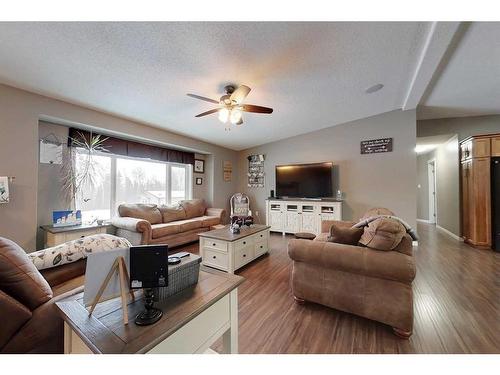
[
  {"x": 292, "y": 220},
  {"x": 481, "y": 205},
  {"x": 276, "y": 220},
  {"x": 495, "y": 146},
  {"x": 481, "y": 148},
  {"x": 310, "y": 223}
]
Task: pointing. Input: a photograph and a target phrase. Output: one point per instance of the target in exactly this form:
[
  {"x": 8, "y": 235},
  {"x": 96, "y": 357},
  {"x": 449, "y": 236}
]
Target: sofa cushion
[
  {"x": 344, "y": 235},
  {"x": 322, "y": 237},
  {"x": 19, "y": 277},
  {"x": 189, "y": 224},
  {"x": 194, "y": 207},
  {"x": 59, "y": 275},
  {"x": 16, "y": 316},
  {"x": 383, "y": 234},
  {"x": 172, "y": 213},
  {"x": 148, "y": 212},
  {"x": 165, "y": 229},
  {"x": 208, "y": 221},
  {"x": 376, "y": 212}
]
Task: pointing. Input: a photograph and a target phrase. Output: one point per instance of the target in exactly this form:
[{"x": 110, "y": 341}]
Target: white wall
[{"x": 387, "y": 180}]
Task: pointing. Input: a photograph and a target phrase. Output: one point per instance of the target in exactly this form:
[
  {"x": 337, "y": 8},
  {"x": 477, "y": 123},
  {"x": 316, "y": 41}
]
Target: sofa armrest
[
  {"x": 390, "y": 265},
  {"x": 327, "y": 224},
  {"x": 219, "y": 212},
  {"x": 134, "y": 225}
]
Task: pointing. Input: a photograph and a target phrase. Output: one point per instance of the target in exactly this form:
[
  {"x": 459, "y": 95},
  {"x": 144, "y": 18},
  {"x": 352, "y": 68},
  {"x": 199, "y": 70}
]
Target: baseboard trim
[{"x": 453, "y": 235}]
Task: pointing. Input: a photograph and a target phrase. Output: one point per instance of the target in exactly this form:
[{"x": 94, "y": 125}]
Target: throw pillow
[{"x": 344, "y": 235}]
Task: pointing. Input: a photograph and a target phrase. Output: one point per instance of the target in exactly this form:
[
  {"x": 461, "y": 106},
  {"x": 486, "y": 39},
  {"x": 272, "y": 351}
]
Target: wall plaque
[{"x": 376, "y": 146}]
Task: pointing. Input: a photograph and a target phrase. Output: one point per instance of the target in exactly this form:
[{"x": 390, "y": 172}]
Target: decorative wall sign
[
  {"x": 227, "y": 170},
  {"x": 4, "y": 189},
  {"x": 256, "y": 173},
  {"x": 199, "y": 166},
  {"x": 376, "y": 146},
  {"x": 199, "y": 181}
]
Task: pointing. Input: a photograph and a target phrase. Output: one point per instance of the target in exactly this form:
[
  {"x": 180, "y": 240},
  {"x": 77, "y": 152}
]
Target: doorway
[{"x": 431, "y": 173}]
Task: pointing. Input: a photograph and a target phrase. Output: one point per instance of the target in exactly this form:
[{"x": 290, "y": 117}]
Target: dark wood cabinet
[{"x": 475, "y": 171}]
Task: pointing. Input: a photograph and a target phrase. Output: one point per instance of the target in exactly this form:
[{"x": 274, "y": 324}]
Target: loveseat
[
  {"x": 144, "y": 224},
  {"x": 356, "y": 278}
]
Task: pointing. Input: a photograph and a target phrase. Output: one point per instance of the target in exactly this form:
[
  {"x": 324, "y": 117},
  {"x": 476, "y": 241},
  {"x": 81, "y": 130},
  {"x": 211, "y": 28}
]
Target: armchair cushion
[
  {"x": 148, "y": 212},
  {"x": 19, "y": 277},
  {"x": 383, "y": 234},
  {"x": 345, "y": 235},
  {"x": 390, "y": 265},
  {"x": 172, "y": 213}
]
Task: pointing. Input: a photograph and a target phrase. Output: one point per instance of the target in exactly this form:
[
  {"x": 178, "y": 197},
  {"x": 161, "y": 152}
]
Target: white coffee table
[{"x": 226, "y": 251}]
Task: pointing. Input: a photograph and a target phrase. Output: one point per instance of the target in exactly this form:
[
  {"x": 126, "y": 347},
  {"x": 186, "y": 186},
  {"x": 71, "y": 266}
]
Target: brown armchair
[{"x": 371, "y": 283}]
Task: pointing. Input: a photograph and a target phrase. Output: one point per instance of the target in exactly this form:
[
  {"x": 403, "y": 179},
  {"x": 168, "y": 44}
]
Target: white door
[{"x": 431, "y": 172}]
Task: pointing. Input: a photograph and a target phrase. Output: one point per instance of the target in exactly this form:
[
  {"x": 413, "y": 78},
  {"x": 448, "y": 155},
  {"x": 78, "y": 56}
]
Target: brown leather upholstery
[
  {"x": 364, "y": 281},
  {"x": 148, "y": 212},
  {"x": 189, "y": 224},
  {"x": 166, "y": 229},
  {"x": 344, "y": 234},
  {"x": 19, "y": 277},
  {"x": 194, "y": 207},
  {"x": 209, "y": 221},
  {"x": 172, "y": 213},
  {"x": 13, "y": 314},
  {"x": 33, "y": 324},
  {"x": 376, "y": 211}
]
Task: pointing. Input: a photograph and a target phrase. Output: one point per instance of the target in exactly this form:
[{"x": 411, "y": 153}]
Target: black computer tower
[{"x": 495, "y": 202}]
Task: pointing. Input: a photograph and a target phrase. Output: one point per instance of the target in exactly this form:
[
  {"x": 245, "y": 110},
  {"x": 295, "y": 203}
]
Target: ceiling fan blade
[
  {"x": 256, "y": 108},
  {"x": 203, "y": 98},
  {"x": 208, "y": 112},
  {"x": 240, "y": 94}
]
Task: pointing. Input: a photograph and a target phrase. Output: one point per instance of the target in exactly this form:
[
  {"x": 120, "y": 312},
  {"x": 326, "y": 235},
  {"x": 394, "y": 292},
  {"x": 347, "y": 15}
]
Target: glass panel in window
[
  {"x": 178, "y": 192},
  {"x": 93, "y": 174},
  {"x": 139, "y": 181}
]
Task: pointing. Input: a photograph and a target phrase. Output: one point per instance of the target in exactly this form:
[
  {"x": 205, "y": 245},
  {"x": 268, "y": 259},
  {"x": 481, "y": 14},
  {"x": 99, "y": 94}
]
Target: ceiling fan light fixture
[
  {"x": 235, "y": 116},
  {"x": 223, "y": 114}
]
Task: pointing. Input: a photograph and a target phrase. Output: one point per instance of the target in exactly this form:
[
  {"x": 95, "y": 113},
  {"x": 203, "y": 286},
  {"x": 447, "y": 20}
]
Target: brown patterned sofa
[
  {"x": 144, "y": 224},
  {"x": 362, "y": 280}
]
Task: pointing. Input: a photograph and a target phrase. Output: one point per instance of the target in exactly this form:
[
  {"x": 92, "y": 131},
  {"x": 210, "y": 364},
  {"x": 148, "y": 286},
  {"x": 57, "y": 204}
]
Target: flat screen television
[{"x": 304, "y": 180}]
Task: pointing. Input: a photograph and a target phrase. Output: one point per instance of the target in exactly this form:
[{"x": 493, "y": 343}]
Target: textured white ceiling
[
  {"x": 469, "y": 84},
  {"x": 312, "y": 74}
]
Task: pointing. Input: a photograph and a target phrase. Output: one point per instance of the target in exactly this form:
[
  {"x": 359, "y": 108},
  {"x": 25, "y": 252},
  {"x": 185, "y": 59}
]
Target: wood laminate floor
[{"x": 456, "y": 304}]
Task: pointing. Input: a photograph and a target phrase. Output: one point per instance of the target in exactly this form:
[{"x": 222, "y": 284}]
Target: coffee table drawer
[
  {"x": 243, "y": 256},
  {"x": 261, "y": 236},
  {"x": 244, "y": 242},
  {"x": 215, "y": 244},
  {"x": 215, "y": 259},
  {"x": 260, "y": 248}
]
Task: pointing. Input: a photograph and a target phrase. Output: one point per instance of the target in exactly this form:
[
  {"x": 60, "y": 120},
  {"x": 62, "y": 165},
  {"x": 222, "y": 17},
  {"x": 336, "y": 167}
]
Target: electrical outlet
[{"x": 256, "y": 213}]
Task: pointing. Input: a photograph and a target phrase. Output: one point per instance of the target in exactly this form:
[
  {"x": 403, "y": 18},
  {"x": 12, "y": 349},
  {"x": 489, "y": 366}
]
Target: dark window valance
[{"x": 134, "y": 149}]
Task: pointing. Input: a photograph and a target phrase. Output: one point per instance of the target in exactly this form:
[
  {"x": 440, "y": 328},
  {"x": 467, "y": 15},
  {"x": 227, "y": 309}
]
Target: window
[{"x": 114, "y": 180}]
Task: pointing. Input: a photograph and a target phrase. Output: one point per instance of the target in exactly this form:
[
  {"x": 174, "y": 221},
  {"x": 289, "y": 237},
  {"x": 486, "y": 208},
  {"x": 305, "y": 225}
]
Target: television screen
[{"x": 304, "y": 180}]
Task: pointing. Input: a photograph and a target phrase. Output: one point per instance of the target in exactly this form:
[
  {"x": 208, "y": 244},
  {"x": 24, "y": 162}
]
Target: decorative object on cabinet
[
  {"x": 66, "y": 218},
  {"x": 199, "y": 166},
  {"x": 256, "y": 172},
  {"x": 479, "y": 216},
  {"x": 199, "y": 181},
  {"x": 227, "y": 168},
  {"x": 4, "y": 189}
]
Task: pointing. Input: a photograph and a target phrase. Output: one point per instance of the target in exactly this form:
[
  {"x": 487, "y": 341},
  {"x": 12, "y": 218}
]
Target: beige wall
[
  {"x": 387, "y": 180},
  {"x": 20, "y": 112},
  {"x": 462, "y": 126}
]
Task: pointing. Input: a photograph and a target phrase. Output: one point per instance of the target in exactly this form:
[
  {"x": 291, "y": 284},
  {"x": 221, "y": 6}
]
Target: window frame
[{"x": 188, "y": 170}]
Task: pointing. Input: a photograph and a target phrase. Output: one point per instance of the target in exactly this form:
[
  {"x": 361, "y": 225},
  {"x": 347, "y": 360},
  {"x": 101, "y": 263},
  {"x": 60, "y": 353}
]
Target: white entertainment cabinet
[{"x": 292, "y": 216}]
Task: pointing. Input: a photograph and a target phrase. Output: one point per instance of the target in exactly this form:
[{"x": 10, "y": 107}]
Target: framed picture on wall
[
  {"x": 199, "y": 166},
  {"x": 199, "y": 181}
]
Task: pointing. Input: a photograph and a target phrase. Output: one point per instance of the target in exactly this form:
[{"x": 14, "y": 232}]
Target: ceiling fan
[{"x": 231, "y": 105}]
